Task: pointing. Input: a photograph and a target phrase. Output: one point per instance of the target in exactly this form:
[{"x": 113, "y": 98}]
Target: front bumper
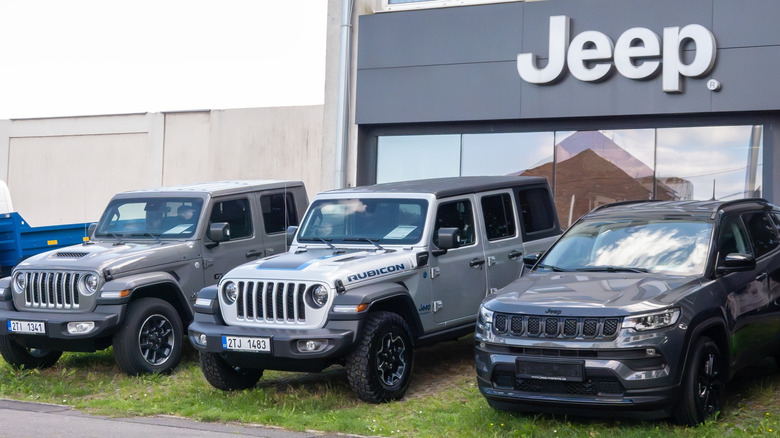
[
  {"x": 629, "y": 376},
  {"x": 57, "y": 337},
  {"x": 284, "y": 354}
]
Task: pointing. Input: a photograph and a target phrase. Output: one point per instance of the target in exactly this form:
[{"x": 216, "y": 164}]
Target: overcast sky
[{"x": 85, "y": 57}]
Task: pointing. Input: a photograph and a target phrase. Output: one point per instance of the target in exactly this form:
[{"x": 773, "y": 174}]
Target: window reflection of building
[{"x": 590, "y": 168}]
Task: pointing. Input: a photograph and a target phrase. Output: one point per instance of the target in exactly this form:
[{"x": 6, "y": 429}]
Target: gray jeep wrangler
[
  {"x": 372, "y": 273},
  {"x": 133, "y": 284}
]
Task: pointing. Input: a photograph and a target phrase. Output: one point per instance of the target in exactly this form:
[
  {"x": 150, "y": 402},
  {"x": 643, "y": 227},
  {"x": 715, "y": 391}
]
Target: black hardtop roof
[
  {"x": 213, "y": 188},
  {"x": 631, "y": 208},
  {"x": 452, "y": 186}
]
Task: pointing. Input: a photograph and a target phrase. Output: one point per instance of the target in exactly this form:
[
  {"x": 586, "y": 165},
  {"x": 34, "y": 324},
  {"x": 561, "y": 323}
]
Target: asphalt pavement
[{"x": 35, "y": 420}]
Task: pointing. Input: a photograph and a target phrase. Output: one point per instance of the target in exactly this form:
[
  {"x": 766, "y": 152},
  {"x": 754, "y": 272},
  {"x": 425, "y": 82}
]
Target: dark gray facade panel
[
  {"x": 615, "y": 96},
  {"x": 740, "y": 23},
  {"x": 440, "y": 36},
  {"x": 610, "y": 17},
  {"x": 419, "y": 66},
  {"x": 749, "y": 79},
  {"x": 434, "y": 93}
]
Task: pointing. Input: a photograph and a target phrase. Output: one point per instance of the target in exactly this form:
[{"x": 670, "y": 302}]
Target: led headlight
[
  {"x": 90, "y": 284},
  {"x": 230, "y": 292},
  {"x": 318, "y": 296},
  {"x": 652, "y": 321},
  {"x": 485, "y": 315},
  {"x": 20, "y": 282}
]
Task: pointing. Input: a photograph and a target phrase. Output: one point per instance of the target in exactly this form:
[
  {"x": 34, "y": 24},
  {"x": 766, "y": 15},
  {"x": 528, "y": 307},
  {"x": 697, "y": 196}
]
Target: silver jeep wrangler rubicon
[{"x": 372, "y": 273}]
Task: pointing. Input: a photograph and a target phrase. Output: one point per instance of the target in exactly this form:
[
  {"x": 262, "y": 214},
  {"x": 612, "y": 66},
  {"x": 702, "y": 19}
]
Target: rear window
[{"x": 536, "y": 209}]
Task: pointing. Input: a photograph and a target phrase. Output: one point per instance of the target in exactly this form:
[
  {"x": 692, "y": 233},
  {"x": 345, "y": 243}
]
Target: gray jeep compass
[{"x": 641, "y": 308}]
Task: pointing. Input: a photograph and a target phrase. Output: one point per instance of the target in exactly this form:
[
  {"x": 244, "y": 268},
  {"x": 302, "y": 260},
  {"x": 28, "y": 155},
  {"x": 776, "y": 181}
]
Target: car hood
[
  {"x": 118, "y": 258},
  {"x": 351, "y": 266},
  {"x": 591, "y": 294}
]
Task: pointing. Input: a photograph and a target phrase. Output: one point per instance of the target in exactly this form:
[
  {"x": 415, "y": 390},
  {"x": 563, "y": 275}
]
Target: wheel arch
[
  {"x": 169, "y": 292},
  {"x": 713, "y": 327},
  {"x": 160, "y": 285},
  {"x": 389, "y": 297}
]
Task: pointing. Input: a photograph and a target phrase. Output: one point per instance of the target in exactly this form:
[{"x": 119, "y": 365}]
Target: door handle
[
  {"x": 515, "y": 254},
  {"x": 254, "y": 253},
  {"x": 476, "y": 262},
  {"x": 761, "y": 277}
]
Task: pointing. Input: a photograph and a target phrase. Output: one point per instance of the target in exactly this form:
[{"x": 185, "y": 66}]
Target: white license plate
[
  {"x": 34, "y": 327},
  {"x": 240, "y": 343}
]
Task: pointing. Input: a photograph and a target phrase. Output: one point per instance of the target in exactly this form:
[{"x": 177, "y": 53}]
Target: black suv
[{"x": 640, "y": 308}]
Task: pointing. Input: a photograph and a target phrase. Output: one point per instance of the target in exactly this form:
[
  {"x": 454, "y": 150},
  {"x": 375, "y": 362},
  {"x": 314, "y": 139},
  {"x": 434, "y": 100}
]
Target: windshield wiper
[
  {"x": 330, "y": 245},
  {"x": 118, "y": 239},
  {"x": 364, "y": 239},
  {"x": 554, "y": 268},
  {"x": 612, "y": 269},
  {"x": 147, "y": 234}
]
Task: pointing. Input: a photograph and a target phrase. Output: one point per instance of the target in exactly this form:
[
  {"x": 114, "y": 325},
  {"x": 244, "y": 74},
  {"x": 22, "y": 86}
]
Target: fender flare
[
  {"x": 380, "y": 296},
  {"x": 122, "y": 290}
]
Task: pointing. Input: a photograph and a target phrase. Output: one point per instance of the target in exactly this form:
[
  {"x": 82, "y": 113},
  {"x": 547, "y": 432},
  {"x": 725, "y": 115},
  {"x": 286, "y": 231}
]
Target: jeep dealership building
[{"x": 609, "y": 99}]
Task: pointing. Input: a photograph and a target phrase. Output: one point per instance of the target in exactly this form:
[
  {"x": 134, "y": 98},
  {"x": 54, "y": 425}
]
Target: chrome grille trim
[
  {"x": 271, "y": 302},
  {"x": 52, "y": 290}
]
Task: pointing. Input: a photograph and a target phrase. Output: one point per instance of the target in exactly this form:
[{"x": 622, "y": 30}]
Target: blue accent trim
[{"x": 274, "y": 264}]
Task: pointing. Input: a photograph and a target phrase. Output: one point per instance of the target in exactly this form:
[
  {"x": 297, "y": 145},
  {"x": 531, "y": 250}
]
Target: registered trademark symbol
[{"x": 713, "y": 85}]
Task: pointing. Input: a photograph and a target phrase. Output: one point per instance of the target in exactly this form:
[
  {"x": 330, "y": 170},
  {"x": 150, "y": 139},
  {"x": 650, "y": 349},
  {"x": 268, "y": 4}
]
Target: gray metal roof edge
[
  {"x": 217, "y": 188},
  {"x": 448, "y": 186}
]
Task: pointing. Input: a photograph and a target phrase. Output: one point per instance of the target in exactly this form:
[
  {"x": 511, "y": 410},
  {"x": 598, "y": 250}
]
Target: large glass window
[
  {"x": 587, "y": 169},
  {"x": 407, "y": 157}
]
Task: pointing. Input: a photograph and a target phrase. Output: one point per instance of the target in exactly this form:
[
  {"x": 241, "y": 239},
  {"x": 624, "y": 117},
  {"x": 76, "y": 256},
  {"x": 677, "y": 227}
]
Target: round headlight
[
  {"x": 90, "y": 284},
  {"x": 20, "y": 282},
  {"x": 318, "y": 296},
  {"x": 230, "y": 292}
]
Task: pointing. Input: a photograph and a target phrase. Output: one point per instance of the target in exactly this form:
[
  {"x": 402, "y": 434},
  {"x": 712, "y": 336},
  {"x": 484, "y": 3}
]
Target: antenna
[
  {"x": 86, "y": 233},
  {"x": 713, "y": 189}
]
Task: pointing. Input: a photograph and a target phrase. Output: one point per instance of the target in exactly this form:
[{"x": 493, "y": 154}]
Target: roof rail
[
  {"x": 635, "y": 201},
  {"x": 739, "y": 201}
]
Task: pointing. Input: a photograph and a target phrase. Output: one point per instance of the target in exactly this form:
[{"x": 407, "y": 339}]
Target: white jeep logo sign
[{"x": 637, "y": 55}]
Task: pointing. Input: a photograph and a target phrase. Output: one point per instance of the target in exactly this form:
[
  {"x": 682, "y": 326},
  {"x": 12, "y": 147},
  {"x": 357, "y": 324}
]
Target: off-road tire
[
  {"x": 380, "y": 366},
  {"x": 150, "y": 340},
  {"x": 703, "y": 384},
  {"x": 27, "y": 358},
  {"x": 222, "y": 375}
]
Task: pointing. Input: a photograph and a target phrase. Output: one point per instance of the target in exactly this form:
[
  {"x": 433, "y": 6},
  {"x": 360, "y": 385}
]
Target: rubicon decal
[
  {"x": 376, "y": 272},
  {"x": 638, "y": 54}
]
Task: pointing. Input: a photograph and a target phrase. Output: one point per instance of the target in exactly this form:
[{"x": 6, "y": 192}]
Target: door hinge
[
  {"x": 435, "y": 272},
  {"x": 437, "y": 305},
  {"x": 491, "y": 260}
]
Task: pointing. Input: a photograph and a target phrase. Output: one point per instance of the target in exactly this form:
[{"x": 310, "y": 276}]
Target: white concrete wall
[{"x": 64, "y": 170}]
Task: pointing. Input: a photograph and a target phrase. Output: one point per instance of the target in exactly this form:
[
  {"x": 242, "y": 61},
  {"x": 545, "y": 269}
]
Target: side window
[
  {"x": 499, "y": 216},
  {"x": 733, "y": 239},
  {"x": 456, "y": 214},
  {"x": 235, "y": 212},
  {"x": 762, "y": 232},
  {"x": 278, "y": 212},
  {"x": 536, "y": 210}
]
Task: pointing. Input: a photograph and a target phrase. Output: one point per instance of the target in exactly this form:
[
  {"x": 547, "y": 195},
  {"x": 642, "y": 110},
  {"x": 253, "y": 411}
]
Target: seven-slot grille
[
  {"x": 566, "y": 327},
  {"x": 271, "y": 301},
  {"x": 52, "y": 290}
]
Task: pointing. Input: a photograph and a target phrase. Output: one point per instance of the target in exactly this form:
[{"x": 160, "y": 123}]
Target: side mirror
[
  {"x": 91, "y": 230},
  {"x": 447, "y": 238},
  {"x": 218, "y": 232},
  {"x": 531, "y": 259},
  {"x": 735, "y": 262},
  {"x": 290, "y": 233}
]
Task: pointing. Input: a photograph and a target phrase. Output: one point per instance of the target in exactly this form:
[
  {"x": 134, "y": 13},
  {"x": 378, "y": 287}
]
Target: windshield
[
  {"x": 674, "y": 246},
  {"x": 364, "y": 220},
  {"x": 151, "y": 218}
]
